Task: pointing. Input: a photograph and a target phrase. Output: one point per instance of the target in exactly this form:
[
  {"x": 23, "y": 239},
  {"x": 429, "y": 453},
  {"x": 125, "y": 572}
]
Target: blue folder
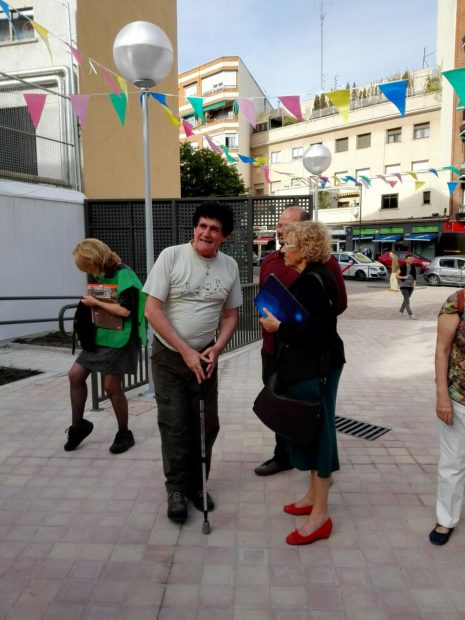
[{"x": 276, "y": 298}]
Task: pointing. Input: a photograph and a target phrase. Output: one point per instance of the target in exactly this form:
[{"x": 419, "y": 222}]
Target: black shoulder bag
[
  {"x": 297, "y": 420},
  {"x": 83, "y": 328}
]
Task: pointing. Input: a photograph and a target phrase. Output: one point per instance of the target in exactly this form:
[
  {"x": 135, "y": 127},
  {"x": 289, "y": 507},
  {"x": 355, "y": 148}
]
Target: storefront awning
[
  {"x": 364, "y": 237},
  {"x": 380, "y": 238},
  {"x": 214, "y": 106},
  {"x": 420, "y": 237}
]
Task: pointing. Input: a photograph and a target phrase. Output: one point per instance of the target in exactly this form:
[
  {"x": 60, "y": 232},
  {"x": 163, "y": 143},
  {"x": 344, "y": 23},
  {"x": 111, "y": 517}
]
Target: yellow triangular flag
[
  {"x": 173, "y": 120},
  {"x": 124, "y": 85},
  {"x": 418, "y": 184},
  {"x": 336, "y": 179},
  {"x": 43, "y": 34},
  {"x": 413, "y": 175},
  {"x": 341, "y": 100},
  {"x": 259, "y": 161}
]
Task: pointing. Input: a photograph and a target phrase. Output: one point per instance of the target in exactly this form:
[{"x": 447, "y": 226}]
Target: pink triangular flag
[
  {"x": 108, "y": 80},
  {"x": 398, "y": 175},
  {"x": 76, "y": 53},
  {"x": 391, "y": 183},
  {"x": 292, "y": 104},
  {"x": 212, "y": 145},
  {"x": 35, "y": 105},
  {"x": 247, "y": 107},
  {"x": 187, "y": 128},
  {"x": 266, "y": 172},
  {"x": 80, "y": 104}
]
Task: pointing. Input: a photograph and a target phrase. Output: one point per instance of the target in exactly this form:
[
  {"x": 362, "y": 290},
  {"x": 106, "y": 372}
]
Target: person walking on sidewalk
[
  {"x": 274, "y": 263},
  {"x": 407, "y": 276},
  {"x": 191, "y": 289},
  {"x": 450, "y": 409},
  {"x": 393, "y": 283},
  {"x": 116, "y": 350}
]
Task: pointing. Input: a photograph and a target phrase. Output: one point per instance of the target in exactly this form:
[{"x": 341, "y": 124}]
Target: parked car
[
  {"x": 418, "y": 261},
  {"x": 357, "y": 265},
  {"x": 446, "y": 270}
]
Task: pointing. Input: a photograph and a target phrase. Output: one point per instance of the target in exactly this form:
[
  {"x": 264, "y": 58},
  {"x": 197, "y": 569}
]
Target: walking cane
[{"x": 205, "y": 525}]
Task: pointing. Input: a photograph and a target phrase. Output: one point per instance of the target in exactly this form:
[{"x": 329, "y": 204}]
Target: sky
[{"x": 363, "y": 40}]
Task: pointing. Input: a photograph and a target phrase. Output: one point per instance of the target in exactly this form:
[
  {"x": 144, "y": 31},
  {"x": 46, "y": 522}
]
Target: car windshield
[{"x": 362, "y": 258}]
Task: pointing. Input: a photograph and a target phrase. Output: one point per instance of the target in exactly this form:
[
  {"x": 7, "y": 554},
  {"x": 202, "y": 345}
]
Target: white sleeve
[
  {"x": 234, "y": 299},
  {"x": 159, "y": 281}
]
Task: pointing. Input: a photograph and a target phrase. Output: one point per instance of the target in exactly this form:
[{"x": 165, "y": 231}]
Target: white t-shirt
[{"x": 194, "y": 290}]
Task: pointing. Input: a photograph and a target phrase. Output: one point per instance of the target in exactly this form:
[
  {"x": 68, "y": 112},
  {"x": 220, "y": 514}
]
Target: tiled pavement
[{"x": 85, "y": 535}]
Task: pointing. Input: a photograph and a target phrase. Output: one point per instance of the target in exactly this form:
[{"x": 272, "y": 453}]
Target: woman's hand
[
  {"x": 270, "y": 323},
  {"x": 444, "y": 410},
  {"x": 90, "y": 301}
]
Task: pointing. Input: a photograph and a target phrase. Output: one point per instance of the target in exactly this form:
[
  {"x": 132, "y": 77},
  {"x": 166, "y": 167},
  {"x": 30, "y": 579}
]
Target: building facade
[
  {"x": 220, "y": 82},
  {"x": 377, "y": 142}
]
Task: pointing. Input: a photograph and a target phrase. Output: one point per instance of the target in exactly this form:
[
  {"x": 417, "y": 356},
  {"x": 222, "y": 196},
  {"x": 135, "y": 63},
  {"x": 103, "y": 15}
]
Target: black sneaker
[
  {"x": 197, "y": 499},
  {"x": 122, "y": 442},
  {"x": 76, "y": 435},
  {"x": 177, "y": 507}
]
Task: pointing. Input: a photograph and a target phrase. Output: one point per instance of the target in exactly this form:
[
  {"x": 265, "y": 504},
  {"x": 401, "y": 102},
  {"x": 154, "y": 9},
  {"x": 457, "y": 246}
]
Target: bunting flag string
[
  {"x": 341, "y": 100},
  {"x": 80, "y": 104},
  {"x": 452, "y": 185},
  {"x": 292, "y": 105},
  {"x": 396, "y": 92},
  {"x": 247, "y": 107},
  {"x": 35, "y": 104}
]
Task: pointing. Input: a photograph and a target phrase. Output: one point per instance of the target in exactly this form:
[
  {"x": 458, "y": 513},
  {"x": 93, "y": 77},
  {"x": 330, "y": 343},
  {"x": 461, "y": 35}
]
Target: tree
[
  {"x": 205, "y": 173},
  {"x": 323, "y": 102},
  {"x": 316, "y": 102}
]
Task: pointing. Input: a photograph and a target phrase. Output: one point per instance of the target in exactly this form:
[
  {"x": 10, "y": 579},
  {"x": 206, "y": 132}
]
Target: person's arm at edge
[
  {"x": 155, "y": 315},
  {"x": 447, "y": 326},
  {"x": 335, "y": 269},
  {"x": 225, "y": 332}
]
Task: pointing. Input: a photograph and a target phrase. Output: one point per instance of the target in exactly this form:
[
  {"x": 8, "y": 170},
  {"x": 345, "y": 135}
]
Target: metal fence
[
  {"x": 46, "y": 154},
  {"x": 121, "y": 224}
]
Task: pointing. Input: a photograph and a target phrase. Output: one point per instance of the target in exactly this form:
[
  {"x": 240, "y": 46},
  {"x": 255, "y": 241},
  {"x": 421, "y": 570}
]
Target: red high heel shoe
[
  {"x": 324, "y": 531},
  {"x": 292, "y": 509}
]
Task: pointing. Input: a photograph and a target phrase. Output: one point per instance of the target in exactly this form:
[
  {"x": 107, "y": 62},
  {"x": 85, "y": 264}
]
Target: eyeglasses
[{"x": 288, "y": 246}]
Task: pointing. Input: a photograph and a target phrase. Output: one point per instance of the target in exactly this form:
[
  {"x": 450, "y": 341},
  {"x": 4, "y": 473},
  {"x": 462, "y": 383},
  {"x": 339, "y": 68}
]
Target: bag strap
[{"x": 326, "y": 353}]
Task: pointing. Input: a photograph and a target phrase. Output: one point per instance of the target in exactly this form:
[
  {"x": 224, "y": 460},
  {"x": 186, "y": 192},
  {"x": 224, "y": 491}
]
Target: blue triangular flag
[
  {"x": 246, "y": 160},
  {"x": 6, "y": 9},
  {"x": 396, "y": 93},
  {"x": 434, "y": 171},
  {"x": 452, "y": 185}
]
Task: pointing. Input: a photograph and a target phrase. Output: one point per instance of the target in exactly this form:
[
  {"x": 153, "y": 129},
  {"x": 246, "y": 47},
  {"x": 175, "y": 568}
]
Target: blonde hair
[
  {"x": 312, "y": 239},
  {"x": 95, "y": 252}
]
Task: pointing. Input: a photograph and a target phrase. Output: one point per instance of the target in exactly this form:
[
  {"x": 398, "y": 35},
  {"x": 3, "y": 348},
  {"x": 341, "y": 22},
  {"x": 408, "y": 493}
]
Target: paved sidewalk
[{"x": 84, "y": 535}]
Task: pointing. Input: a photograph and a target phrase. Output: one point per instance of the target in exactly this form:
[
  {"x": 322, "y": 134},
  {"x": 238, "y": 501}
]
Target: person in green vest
[{"x": 117, "y": 305}]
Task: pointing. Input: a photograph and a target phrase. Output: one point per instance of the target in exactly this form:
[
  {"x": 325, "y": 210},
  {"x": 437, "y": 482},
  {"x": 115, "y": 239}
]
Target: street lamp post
[
  {"x": 143, "y": 55},
  {"x": 316, "y": 160}
]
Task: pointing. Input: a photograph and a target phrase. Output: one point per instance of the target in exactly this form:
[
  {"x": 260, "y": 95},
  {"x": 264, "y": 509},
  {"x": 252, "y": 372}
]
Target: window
[
  {"x": 362, "y": 172},
  {"x": 296, "y": 182},
  {"x": 275, "y": 186},
  {"x": 261, "y": 127},
  {"x": 341, "y": 175},
  {"x": 22, "y": 26},
  {"x": 259, "y": 190},
  {"x": 391, "y": 169},
  {"x": 219, "y": 80},
  {"x": 447, "y": 262},
  {"x": 12, "y": 158},
  {"x": 276, "y": 157},
  {"x": 394, "y": 135},
  {"x": 297, "y": 152},
  {"x": 426, "y": 198},
  {"x": 419, "y": 165},
  {"x": 230, "y": 140},
  {"x": 421, "y": 131},
  {"x": 341, "y": 145},
  {"x": 190, "y": 91},
  {"x": 389, "y": 201},
  {"x": 363, "y": 140}
]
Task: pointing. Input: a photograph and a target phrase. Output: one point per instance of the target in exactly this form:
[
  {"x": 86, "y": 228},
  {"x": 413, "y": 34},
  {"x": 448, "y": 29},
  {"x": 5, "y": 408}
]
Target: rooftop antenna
[{"x": 322, "y": 17}]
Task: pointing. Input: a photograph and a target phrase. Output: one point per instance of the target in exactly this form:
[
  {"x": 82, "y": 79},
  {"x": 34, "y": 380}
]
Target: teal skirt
[{"x": 322, "y": 455}]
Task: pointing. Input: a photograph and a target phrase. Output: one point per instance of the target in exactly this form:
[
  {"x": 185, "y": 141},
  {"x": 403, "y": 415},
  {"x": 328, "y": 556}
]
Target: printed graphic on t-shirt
[{"x": 211, "y": 290}]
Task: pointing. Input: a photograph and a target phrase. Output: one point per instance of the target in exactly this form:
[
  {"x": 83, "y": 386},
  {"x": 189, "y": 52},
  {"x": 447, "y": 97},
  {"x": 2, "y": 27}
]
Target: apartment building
[
  {"x": 220, "y": 82},
  {"x": 376, "y": 141}
]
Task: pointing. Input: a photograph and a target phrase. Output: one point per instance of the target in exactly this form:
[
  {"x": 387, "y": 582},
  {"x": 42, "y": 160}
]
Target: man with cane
[
  {"x": 190, "y": 288},
  {"x": 274, "y": 263}
]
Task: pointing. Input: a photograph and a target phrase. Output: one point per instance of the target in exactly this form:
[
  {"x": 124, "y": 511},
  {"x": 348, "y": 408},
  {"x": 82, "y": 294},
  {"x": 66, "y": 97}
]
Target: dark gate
[{"x": 121, "y": 224}]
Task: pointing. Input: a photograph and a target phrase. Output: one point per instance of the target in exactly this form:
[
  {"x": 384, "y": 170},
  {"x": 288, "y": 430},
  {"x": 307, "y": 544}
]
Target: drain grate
[{"x": 370, "y": 432}]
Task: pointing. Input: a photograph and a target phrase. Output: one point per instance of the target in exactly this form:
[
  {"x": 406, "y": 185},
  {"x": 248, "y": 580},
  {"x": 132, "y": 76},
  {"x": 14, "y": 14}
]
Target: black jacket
[{"x": 302, "y": 344}]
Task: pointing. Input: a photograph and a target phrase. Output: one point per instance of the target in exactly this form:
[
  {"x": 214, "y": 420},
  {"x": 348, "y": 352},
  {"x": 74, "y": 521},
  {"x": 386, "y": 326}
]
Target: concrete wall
[
  {"x": 39, "y": 227},
  {"x": 112, "y": 154}
]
